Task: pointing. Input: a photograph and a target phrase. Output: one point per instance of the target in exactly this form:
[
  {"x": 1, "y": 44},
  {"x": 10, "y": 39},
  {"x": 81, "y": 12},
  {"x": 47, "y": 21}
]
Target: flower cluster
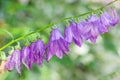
[{"x": 58, "y": 44}]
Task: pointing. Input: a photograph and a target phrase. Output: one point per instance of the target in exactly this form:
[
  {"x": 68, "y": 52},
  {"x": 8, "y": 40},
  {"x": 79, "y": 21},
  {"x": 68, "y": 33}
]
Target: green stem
[{"x": 52, "y": 24}]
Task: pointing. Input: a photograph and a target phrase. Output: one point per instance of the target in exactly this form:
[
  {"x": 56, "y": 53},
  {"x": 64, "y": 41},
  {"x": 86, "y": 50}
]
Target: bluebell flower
[
  {"x": 14, "y": 60},
  {"x": 30, "y": 57},
  {"x": 109, "y": 20},
  {"x": 72, "y": 33},
  {"x": 56, "y": 45},
  {"x": 92, "y": 28},
  {"x": 39, "y": 52},
  {"x": 35, "y": 54},
  {"x": 89, "y": 28},
  {"x": 25, "y": 56}
]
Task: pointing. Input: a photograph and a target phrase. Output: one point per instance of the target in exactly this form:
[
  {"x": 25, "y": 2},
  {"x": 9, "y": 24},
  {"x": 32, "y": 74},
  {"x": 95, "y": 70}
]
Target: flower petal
[{"x": 25, "y": 53}]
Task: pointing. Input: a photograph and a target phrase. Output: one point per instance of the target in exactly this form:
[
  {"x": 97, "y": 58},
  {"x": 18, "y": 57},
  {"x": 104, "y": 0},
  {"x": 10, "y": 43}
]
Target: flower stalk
[
  {"x": 58, "y": 45},
  {"x": 54, "y": 23}
]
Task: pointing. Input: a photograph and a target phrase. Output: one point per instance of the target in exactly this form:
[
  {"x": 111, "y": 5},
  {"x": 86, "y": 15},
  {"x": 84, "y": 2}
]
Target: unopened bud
[
  {"x": 2, "y": 55},
  {"x": 18, "y": 46}
]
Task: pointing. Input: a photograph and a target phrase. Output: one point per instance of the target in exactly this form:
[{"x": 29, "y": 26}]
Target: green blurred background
[{"x": 100, "y": 61}]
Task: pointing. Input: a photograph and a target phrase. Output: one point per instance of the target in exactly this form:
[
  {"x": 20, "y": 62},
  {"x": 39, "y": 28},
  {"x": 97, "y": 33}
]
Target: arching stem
[{"x": 52, "y": 24}]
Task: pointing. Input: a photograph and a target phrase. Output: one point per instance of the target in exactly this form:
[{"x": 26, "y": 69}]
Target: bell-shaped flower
[
  {"x": 109, "y": 20},
  {"x": 91, "y": 28},
  {"x": 30, "y": 57},
  {"x": 102, "y": 28},
  {"x": 25, "y": 56},
  {"x": 56, "y": 45},
  {"x": 72, "y": 33},
  {"x": 96, "y": 26},
  {"x": 14, "y": 60},
  {"x": 39, "y": 52},
  {"x": 33, "y": 54}
]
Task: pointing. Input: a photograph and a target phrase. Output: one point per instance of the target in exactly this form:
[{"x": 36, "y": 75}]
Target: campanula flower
[
  {"x": 25, "y": 56},
  {"x": 72, "y": 33},
  {"x": 109, "y": 20},
  {"x": 33, "y": 54},
  {"x": 39, "y": 52},
  {"x": 14, "y": 60},
  {"x": 89, "y": 28},
  {"x": 56, "y": 45}
]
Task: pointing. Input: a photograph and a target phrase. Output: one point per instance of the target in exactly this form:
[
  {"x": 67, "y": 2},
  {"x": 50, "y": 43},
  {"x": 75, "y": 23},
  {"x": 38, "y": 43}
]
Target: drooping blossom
[
  {"x": 33, "y": 54},
  {"x": 72, "y": 33},
  {"x": 14, "y": 60},
  {"x": 39, "y": 52},
  {"x": 89, "y": 28},
  {"x": 92, "y": 28},
  {"x": 56, "y": 45},
  {"x": 109, "y": 20},
  {"x": 30, "y": 57},
  {"x": 25, "y": 56},
  {"x": 102, "y": 28}
]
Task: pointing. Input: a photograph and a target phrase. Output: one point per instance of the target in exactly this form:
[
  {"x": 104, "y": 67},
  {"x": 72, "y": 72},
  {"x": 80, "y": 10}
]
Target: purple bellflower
[
  {"x": 56, "y": 45},
  {"x": 30, "y": 57},
  {"x": 25, "y": 56},
  {"x": 14, "y": 60},
  {"x": 39, "y": 52},
  {"x": 33, "y": 54},
  {"x": 92, "y": 28},
  {"x": 89, "y": 28},
  {"x": 72, "y": 33},
  {"x": 102, "y": 28},
  {"x": 109, "y": 20}
]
